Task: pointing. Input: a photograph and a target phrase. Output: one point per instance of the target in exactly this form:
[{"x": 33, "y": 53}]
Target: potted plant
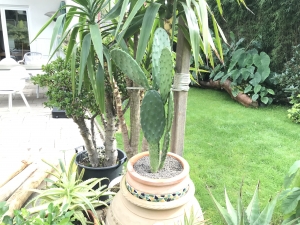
[
  {"x": 157, "y": 186},
  {"x": 67, "y": 189},
  {"x": 57, "y": 78}
]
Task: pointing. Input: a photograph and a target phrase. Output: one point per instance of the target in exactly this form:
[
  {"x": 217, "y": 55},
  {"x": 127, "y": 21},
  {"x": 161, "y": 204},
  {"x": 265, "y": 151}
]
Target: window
[{"x": 14, "y": 38}]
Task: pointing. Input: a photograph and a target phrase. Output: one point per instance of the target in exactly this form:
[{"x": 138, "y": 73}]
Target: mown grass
[{"x": 226, "y": 143}]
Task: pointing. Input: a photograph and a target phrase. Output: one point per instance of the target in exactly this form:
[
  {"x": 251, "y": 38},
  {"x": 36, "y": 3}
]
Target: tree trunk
[
  {"x": 241, "y": 97},
  {"x": 120, "y": 114},
  {"x": 111, "y": 152},
  {"x": 88, "y": 141},
  {"x": 180, "y": 97}
]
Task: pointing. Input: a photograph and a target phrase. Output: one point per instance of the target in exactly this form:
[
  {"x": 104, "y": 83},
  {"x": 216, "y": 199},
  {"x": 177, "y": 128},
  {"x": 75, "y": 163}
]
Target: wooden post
[{"x": 180, "y": 97}]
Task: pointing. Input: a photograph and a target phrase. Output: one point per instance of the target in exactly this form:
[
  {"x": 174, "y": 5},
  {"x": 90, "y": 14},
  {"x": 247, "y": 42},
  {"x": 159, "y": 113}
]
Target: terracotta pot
[{"x": 142, "y": 200}]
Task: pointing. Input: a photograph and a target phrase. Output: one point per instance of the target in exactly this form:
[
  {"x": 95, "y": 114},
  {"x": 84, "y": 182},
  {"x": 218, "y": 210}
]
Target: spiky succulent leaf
[
  {"x": 170, "y": 111},
  {"x": 160, "y": 41},
  {"x": 252, "y": 210},
  {"x": 225, "y": 215},
  {"x": 153, "y": 116},
  {"x": 165, "y": 73},
  {"x": 266, "y": 215},
  {"x": 129, "y": 67},
  {"x": 229, "y": 206}
]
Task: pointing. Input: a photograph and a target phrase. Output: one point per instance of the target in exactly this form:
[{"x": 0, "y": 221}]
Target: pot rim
[
  {"x": 157, "y": 182},
  {"x": 120, "y": 163}
]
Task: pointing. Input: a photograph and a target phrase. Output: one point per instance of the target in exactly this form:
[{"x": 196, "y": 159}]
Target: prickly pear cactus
[
  {"x": 155, "y": 122},
  {"x": 130, "y": 67},
  {"x": 160, "y": 41},
  {"x": 153, "y": 116},
  {"x": 165, "y": 73}
]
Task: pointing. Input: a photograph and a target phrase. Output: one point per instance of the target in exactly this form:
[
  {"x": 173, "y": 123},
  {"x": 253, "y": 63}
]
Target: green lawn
[{"x": 226, "y": 143}]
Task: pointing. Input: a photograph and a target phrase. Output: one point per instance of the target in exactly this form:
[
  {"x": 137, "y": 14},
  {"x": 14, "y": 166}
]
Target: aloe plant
[
  {"x": 157, "y": 107},
  {"x": 69, "y": 189},
  {"x": 249, "y": 216}
]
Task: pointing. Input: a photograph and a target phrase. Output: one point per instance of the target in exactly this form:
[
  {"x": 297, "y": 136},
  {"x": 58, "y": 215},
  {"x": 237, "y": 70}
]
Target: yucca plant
[
  {"x": 249, "y": 216},
  {"x": 69, "y": 189}
]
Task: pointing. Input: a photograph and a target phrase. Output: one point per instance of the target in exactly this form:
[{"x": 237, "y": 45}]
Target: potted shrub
[
  {"x": 157, "y": 186},
  {"x": 57, "y": 78},
  {"x": 70, "y": 191}
]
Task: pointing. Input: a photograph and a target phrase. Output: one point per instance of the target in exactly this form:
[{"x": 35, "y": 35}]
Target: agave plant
[
  {"x": 70, "y": 190},
  {"x": 249, "y": 216},
  {"x": 156, "y": 119}
]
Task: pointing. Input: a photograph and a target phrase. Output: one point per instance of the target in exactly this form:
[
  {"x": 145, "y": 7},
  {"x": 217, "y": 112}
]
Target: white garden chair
[{"x": 13, "y": 82}]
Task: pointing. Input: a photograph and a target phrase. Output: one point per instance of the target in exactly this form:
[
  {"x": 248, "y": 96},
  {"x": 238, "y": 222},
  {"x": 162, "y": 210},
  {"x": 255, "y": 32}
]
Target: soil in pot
[{"x": 172, "y": 167}]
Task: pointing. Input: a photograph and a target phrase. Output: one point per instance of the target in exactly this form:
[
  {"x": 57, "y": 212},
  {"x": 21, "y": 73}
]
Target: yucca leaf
[
  {"x": 100, "y": 84},
  {"x": 252, "y": 210},
  {"x": 135, "y": 9},
  {"x": 122, "y": 13},
  {"x": 58, "y": 24},
  {"x": 108, "y": 61},
  {"x": 85, "y": 49},
  {"x": 193, "y": 32},
  {"x": 45, "y": 25},
  {"x": 97, "y": 41},
  {"x": 113, "y": 12},
  {"x": 71, "y": 44},
  {"x": 73, "y": 69},
  {"x": 145, "y": 30}
]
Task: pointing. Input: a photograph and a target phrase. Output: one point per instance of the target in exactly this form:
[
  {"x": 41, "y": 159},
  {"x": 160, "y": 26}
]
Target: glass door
[{"x": 14, "y": 38}]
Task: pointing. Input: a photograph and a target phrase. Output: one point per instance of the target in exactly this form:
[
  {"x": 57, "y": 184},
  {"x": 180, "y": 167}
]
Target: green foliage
[
  {"x": 71, "y": 190},
  {"x": 291, "y": 195},
  {"x": 248, "y": 71},
  {"x": 294, "y": 113},
  {"x": 57, "y": 78},
  {"x": 156, "y": 119},
  {"x": 289, "y": 80},
  {"x": 275, "y": 21},
  {"x": 54, "y": 215},
  {"x": 249, "y": 216}
]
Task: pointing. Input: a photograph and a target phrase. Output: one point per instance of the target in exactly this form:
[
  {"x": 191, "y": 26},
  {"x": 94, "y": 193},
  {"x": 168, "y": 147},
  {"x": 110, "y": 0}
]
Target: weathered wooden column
[{"x": 180, "y": 88}]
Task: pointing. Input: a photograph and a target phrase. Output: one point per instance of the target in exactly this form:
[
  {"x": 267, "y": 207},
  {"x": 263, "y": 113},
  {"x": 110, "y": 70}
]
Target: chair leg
[
  {"x": 24, "y": 99},
  {"x": 10, "y": 101},
  {"x": 37, "y": 91}
]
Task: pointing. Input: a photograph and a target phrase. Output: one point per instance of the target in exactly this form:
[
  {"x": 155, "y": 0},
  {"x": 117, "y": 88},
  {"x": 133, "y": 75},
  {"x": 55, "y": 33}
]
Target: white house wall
[{"x": 36, "y": 19}]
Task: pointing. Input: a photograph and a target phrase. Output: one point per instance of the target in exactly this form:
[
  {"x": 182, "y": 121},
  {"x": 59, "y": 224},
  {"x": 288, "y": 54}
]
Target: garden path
[{"x": 35, "y": 133}]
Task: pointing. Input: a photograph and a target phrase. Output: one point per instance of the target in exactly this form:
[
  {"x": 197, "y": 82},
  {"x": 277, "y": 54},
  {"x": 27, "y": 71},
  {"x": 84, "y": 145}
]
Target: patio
[{"x": 35, "y": 133}]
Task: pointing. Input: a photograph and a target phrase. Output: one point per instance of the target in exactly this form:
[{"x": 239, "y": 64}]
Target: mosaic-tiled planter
[{"x": 147, "y": 201}]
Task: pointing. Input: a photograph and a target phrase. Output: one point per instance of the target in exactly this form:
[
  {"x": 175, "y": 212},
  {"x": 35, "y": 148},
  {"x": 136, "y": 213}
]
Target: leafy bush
[
  {"x": 289, "y": 80},
  {"x": 248, "y": 70},
  {"x": 294, "y": 113},
  {"x": 57, "y": 78}
]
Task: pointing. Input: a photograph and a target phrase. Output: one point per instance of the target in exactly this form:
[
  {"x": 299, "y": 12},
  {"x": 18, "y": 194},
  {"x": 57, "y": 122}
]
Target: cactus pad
[
  {"x": 160, "y": 41},
  {"x": 129, "y": 67},
  {"x": 153, "y": 119},
  {"x": 165, "y": 73}
]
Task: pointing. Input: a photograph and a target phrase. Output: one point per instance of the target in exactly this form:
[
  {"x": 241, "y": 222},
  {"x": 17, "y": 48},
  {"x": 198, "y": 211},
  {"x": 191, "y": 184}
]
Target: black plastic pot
[{"x": 100, "y": 172}]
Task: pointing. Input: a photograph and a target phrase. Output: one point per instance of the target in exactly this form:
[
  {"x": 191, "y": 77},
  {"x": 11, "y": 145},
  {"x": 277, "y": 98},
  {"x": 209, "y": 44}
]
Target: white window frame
[{"x": 4, "y": 25}]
